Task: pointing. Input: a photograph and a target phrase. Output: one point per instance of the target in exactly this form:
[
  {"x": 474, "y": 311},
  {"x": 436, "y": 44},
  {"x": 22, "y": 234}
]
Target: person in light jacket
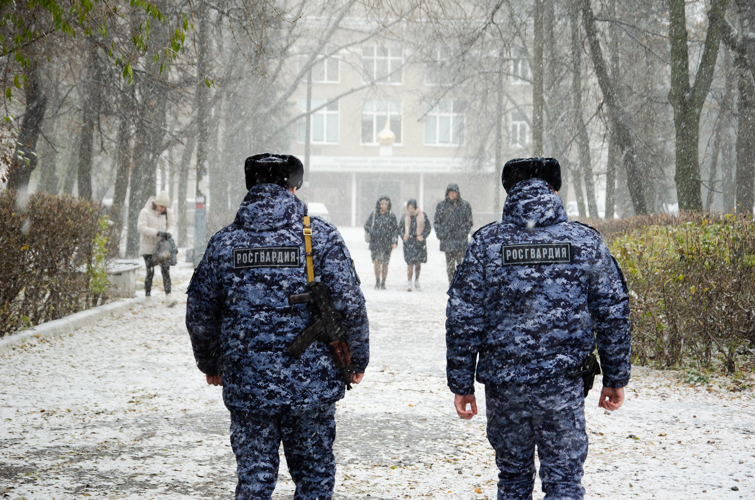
[{"x": 156, "y": 221}]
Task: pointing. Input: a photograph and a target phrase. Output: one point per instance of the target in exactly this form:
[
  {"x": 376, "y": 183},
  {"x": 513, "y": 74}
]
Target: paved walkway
[{"x": 118, "y": 410}]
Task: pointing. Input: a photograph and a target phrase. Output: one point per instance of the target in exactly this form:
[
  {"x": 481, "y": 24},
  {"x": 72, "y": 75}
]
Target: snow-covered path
[{"x": 118, "y": 410}]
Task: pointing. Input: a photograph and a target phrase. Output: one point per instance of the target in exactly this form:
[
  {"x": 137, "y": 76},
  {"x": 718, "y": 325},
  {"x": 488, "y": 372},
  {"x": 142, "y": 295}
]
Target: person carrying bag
[{"x": 156, "y": 225}]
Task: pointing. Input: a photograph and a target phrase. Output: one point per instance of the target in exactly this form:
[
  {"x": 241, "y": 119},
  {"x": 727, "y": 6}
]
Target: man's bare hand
[
  {"x": 215, "y": 380},
  {"x": 356, "y": 377},
  {"x": 460, "y": 402},
  {"x": 611, "y": 399},
  {"x": 420, "y": 238}
]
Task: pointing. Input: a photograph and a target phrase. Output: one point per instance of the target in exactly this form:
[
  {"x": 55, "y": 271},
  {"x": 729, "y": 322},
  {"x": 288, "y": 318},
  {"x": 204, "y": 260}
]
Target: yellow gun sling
[{"x": 308, "y": 249}]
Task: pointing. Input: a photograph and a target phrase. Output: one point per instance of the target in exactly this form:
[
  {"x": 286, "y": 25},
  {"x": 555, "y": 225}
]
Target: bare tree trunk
[
  {"x": 48, "y": 154},
  {"x": 89, "y": 114},
  {"x": 745, "y": 176},
  {"x": 583, "y": 139},
  {"x": 69, "y": 180},
  {"x": 687, "y": 100},
  {"x": 744, "y": 64},
  {"x": 123, "y": 150},
  {"x": 183, "y": 183},
  {"x": 617, "y": 115},
  {"x": 721, "y": 138},
  {"x": 498, "y": 171},
  {"x": 713, "y": 170},
  {"x": 202, "y": 104},
  {"x": 25, "y": 157},
  {"x": 538, "y": 98},
  {"x": 613, "y": 150}
]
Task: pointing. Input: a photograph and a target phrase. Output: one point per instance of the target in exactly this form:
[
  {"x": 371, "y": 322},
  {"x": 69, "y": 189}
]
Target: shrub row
[
  {"x": 692, "y": 288},
  {"x": 51, "y": 257}
]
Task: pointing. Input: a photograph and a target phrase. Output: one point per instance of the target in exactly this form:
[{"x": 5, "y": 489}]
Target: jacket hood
[
  {"x": 150, "y": 203},
  {"x": 269, "y": 206},
  {"x": 453, "y": 187},
  {"x": 377, "y": 205},
  {"x": 532, "y": 203}
]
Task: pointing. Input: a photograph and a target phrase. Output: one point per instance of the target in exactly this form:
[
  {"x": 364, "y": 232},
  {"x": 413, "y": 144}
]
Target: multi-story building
[{"x": 348, "y": 167}]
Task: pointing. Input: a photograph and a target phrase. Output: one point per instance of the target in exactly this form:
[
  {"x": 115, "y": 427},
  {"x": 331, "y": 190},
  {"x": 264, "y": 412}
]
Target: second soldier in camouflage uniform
[
  {"x": 530, "y": 298},
  {"x": 241, "y": 323}
]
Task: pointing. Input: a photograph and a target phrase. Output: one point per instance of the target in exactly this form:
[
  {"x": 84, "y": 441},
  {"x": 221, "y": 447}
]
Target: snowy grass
[{"x": 119, "y": 410}]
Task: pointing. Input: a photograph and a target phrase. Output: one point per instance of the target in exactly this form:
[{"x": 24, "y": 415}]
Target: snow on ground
[{"x": 118, "y": 410}]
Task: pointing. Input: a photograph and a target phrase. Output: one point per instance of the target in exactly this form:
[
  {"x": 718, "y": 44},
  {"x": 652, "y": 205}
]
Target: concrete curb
[{"x": 70, "y": 323}]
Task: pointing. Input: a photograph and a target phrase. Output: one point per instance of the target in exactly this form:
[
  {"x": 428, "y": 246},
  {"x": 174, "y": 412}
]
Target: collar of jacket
[
  {"x": 269, "y": 206},
  {"x": 532, "y": 203}
]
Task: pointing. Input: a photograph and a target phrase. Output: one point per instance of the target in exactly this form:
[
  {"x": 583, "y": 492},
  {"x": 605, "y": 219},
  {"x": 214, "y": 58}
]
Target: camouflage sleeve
[
  {"x": 204, "y": 314},
  {"x": 609, "y": 307},
  {"x": 341, "y": 278},
  {"x": 465, "y": 320}
]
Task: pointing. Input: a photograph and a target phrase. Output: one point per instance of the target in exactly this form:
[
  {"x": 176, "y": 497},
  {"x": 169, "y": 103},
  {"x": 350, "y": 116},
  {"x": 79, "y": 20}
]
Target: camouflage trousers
[
  {"x": 549, "y": 415},
  {"x": 307, "y": 437}
]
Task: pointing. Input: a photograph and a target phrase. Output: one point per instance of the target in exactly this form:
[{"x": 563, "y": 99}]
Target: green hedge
[
  {"x": 692, "y": 288},
  {"x": 53, "y": 251}
]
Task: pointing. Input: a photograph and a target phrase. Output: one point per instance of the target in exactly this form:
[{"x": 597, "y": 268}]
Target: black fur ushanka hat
[
  {"x": 521, "y": 169},
  {"x": 284, "y": 170}
]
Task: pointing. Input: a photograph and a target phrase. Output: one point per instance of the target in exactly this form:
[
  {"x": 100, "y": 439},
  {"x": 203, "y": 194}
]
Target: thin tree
[{"x": 688, "y": 99}]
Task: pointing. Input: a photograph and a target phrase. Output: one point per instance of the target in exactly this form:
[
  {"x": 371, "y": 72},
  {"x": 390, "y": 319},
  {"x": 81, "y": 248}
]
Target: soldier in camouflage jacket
[
  {"x": 240, "y": 325},
  {"x": 527, "y": 304}
]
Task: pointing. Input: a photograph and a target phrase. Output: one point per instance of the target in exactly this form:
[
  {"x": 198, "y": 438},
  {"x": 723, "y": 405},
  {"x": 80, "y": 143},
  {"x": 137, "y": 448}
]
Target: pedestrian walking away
[
  {"x": 414, "y": 229},
  {"x": 156, "y": 222},
  {"x": 453, "y": 221},
  {"x": 380, "y": 231},
  {"x": 271, "y": 289},
  {"x": 531, "y": 298}
]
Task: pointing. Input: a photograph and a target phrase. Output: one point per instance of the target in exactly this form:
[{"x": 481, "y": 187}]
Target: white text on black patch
[
  {"x": 536, "y": 253},
  {"x": 249, "y": 258}
]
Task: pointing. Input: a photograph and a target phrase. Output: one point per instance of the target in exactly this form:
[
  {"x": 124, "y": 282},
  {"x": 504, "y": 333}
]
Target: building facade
[{"x": 360, "y": 90}]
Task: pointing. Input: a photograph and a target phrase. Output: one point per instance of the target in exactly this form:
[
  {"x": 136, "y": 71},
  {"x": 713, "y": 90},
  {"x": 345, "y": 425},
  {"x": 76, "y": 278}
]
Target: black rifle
[
  {"x": 587, "y": 370},
  {"x": 326, "y": 327}
]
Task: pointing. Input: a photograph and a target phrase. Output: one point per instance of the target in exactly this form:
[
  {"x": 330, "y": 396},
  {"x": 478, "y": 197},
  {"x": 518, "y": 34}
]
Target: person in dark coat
[
  {"x": 414, "y": 229},
  {"x": 381, "y": 226},
  {"x": 453, "y": 221}
]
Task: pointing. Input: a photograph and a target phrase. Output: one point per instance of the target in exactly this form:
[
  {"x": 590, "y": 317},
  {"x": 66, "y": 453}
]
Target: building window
[
  {"x": 324, "y": 70},
  {"x": 444, "y": 124},
  {"x": 382, "y": 64},
  {"x": 519, "y": 130},
  {"x": 520, "y": 71},
  {"x": 437, "y": 68},
  {"x": 374, "y": 115},
  {"x": 324, "y": 122}
]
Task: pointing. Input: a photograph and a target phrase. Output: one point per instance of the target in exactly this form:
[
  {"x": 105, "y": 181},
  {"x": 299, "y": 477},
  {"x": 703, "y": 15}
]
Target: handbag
[
  {"x": 368, "y": 234},
  {"x": 165, "y": 252}
]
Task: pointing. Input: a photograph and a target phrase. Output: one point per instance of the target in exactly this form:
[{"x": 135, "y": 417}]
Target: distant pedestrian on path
[
  {"x": 453, "y": 221},
  {"x": 381, "y": 227},
  {"x": 156, "y": 221},
  {"x": 414, "y": 229}
]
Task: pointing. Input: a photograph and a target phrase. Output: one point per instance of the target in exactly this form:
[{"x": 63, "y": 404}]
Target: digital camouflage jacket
[
  {"x": 531, "y": 297},
  {"x": 238, "y": 314}
]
